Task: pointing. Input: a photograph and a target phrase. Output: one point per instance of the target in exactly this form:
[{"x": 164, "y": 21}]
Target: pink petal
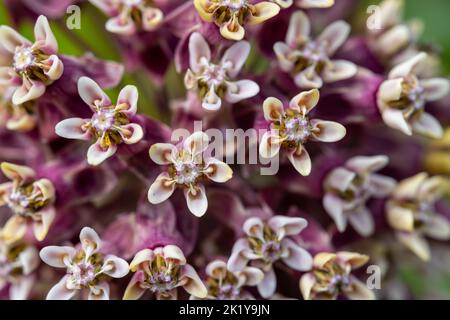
[
  {"x": 295, "y": 257},
  {"x": 10, "y": 39},
  {"x": 54, "y": 256},
  {"x": 364, "y": 165},
  {"x": 339, "y": 70},
  {"x": 435, "y": 89},
  {"x": 334, "y": 206},
  {"x": 60, "y": 291},
  {"x": 428, "y": 126},
  {"x": 21, "y": 288},
  {"x": 92, "y": 94},
  {"x": 45, "y": 39},
  {"x": 287, "y": 226},
  {"x": 267, "y": 287},
  {"x": 362, "y": 221},
  {"x": 241, "y": 90},
  {"x": 193, "y": 285},
  {"x": 234, "y": 58},
  {"x": 198, "y": 51},
  {"x": 129, "y": 96},
  {"x": 334, "y": 36},
  {"x": 299, "y": 29},
  {"x": 30, "y": 90},
  {"x": 73, "y": 129},
  {"x": 131, "y": 133},
  {"x": 90, "y": 241},
  {"x": 253, "y": 227},
  {"x": 115, "y": 267},
  {"x": 97, "y": 154},
  {"x": 238, "y": 261},
  {"x": 161, "y": 189}
]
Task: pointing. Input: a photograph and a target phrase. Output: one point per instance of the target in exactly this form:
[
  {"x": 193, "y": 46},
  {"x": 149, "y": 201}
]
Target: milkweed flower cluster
[{"x": 148, "y": 177}]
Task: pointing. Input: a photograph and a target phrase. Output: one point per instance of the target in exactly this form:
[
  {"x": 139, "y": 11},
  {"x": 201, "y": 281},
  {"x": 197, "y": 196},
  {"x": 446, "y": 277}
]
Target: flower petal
[
  {"x": 408, "y": 67},
  {"x": 362, "y": 221},
  {"x": 428, "y": 126},
  {"x": 90, "y": 241},
  {"x": 287, "y": 226},
  {"x": 196, "y": 143},
  {"x": 218, "y": 171},
  {"x": 92, "y": 94},
  {"x": 196, "y": 199},
  {"x": 174, "y": 253},
  {"x": 355, "y": 260},
  {"x": 54, "y": 256},
  {"x": 400, "y": 218},
  {"x": 212, "y": 101},
  {"x": 334, "y": 36},
  {"x": 55, "y": 67},
  {"x": 134, "y": 289},
  {"x": 263, "y": 11},
  {"x": 115, "y": 267},
  {"x": 268, "y": 285},
  {"x": 365, "y": 165},
  {"x": 296, "y": 257},
  {"x": 241, "y": 90},
  {"x": 238, "y": 261},
  {"x": 45, "y": 39},
  {"x": 435, "y": 89},
  {"x": 60, "y": 291},
  {"x": 381, "y": 186},
  {"x": 396, "y": 120},
  {"x": 16, "y": 172},
  {"x": 97, "y": 154},
  {"x": 30, "y": 90},
  {"x": 41, "y": 227},
  {"x": 199, "y": 52},
  {"x": 128, "y": 96},
  {"x": 15, "y": 228},
  {"x": 416, "y": 244},
  {"x": 151, "y": 18},
  {"x": 305, "y": 101},
  {"x": 21, "y": 287},
  {"x": 161, "y": 153},
  {"x": 308, "y": 79},
  {"x": 335, "y": 208},
  {"x": 253, "y": 227},
  {"x": 161, "y": 189},
  {"x": 131, "y": 133},
  {"x": 301, "y": 161},
  {"x": 328, "y": 131},
  {"x": 270, "y": 145},
  {"x": 11, "y": 39},
  {"x": 99, "y": 291},
  {"x": 299, "y": 29},
  {"x": 338, "y": 70},
  {"x": 438, "y": 227},
  {"x": 253, "y": 276},
  {"x": 234, "y": 58},
  {"x": 192, "y": 282},
  {"x": 232, "y": 30},
  {"x": 29, "y": 260},
  {"x": 307, "y": 282},
  {"x": 73, "y": 128},
  {"x": 216, "y": 269},
  {"x": 359, "y": 291},
  {"x": 273, "y": 109}
]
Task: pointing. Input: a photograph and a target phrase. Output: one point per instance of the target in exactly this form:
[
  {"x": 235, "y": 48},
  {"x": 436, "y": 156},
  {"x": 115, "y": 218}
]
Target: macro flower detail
[
  {"x": 403, "y": 97},
  {"x": 348, "y": 188},
  {"x": 223, "y": 284},
  {"x": 20, "y": 118},
  {"x": 266, "y": 243},
  {"x": 187, "y": 167},
  {"x": 130, "y": 16},
  {"x": 110, "y": 124},
  {"x": 87, "y": 268},
  {"x": 310, "y": 61},
  {"x": 331, "y": 277},
  {"x": 305, "y": 4},
  {"x": 30, "y": 199},
  {"x": 30, "y": 67},
  {"x": 232, "y": 15},
  {"x": 161, "y": 271},
  {"x": 411, "y": 212},
  {"x": 17, "y": 263},
  {"x": 291, "y": 129},
  {"x": 213, "y": 82}
]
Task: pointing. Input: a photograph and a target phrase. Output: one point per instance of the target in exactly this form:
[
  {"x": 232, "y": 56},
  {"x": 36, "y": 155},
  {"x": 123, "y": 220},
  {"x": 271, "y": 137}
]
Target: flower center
[
  {"x": 131, "y": 3},
  {"x": 24, "y": 59},
  {"x": 161, "y": 282},
  {"x": 338, "y": 283},
  {"x": 297, "y": 129},
  {"x": 268, "y": 247},
  {"x": 161, "y": 275},
  {"x": 26, "y": 200},
  {"x": 417, "y": 97},
  {"x": 234, "y": 5},
  {"x": 82, "y": 273},
  {"x": 103, "y": 120},
  {"x": 186, "y": 172},
  {"x": 214, "y": 74},
  {"x": 315, "y": 51}
]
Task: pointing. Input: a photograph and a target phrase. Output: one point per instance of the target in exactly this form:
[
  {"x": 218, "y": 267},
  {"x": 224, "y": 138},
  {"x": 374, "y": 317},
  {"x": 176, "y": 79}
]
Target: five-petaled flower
[
  {"x": 411, "y": 212},
  {"x": 331, "y": 277},
  {"x": 187, "y": 167},
  {"x": 266, "y": 243},
  {"x": 30, "y": 66},
  {"x": 223, "y": 284},
  {"x": 306, "y": 4},
  {"x": 110, "y": 124},
  {"x": 232, "y": 15},
  {"x": 17, "y": 263},
  {"x": 130, "y": 16},
  {"x": 213, "y": 82},
  {"x": 30, "y": 199},
  {"x": 161, "y": 271},
  {"x": 292, "y": 129},
  {"x": 87, "y": 268},
  {"x": 348, "y": 188},
  {"x": 402, "y": 99},
  {"x": 309, "y": 61}
]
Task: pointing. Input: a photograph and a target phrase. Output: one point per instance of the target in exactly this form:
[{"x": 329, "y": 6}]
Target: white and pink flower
[
  {"x": 31, "y": 201},
  {"x": 161, "y": 271},
  {"x": 291, "y": 129},
  {"x": 87, "y": 268},
  {"x": 348, "y": 188},
  {"x": 331, "y": 277},
  {"x": 305, "y": 4},
  {"x": 110, "y": 125},
  {"x": 266, "y": 243},
  {"x": 130, "y": 16},
  {"x": 403, "y": 97},
  {"x": 310, "y": 61},
  {"x": 29, "y": 67},
  {"x": 411, "y": 212},
  {"x": 187, "y": 168},
  {"x": 214, "y": 82}
]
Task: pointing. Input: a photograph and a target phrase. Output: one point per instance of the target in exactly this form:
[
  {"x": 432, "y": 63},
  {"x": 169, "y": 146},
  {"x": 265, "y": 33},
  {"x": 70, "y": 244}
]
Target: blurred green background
[{"x": 423, "y": 280}]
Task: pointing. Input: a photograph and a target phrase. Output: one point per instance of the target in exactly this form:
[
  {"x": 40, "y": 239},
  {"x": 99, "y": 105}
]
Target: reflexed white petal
[
  {"x": 359, "y": 291},
  {"x": 97, "y": 154},
  {"x": 151, "y": 18},
  {"x": 307, "y": 282},
  {"x": 218, "y": 171},
  {"x": 301, "y": 161},
  {"x": 198, "y": 51},
  {"x": 134, "y": 289},
  {"x": 56, "y": 67},
  {"x": 328, "y": 131},
  {"x": 21, "y": 287},
  {"x": 16, "y": 172},
  {"x": 11, "y": 39},
  {"x": 118, "y": 25},
  {"x": 45, "y": 39},
  {"x": 273, "y": 109},
  {"x": 234, "y": 58},
  {"x": 161, "y": 153},
  {"x": 29, "y": 260},
  {"x": 263, "y": 11},
  {"x": 73, "y": 129},
  {"x": 232, "y": 30},
  {"x": 396, "y": 120},
  {"x": 307, "y": 4},
  {"x": 161, "y": 189},
  {"x": 253, "y": 227},
  {"x": 428, "y": 126},
  {"x": 115, "y": 267},
  {"x": 253, "y": 276},
  {"x": 435, "y": 89},
  {"x": 131, "y": 133},
  {"x": 362, "y": 221},
  {"x": 241, "y": 90},
  {"x": 196, "y": 200},
  {"x": 90, "y": 241},
  {"x": 334, "y": 36},
  {"x": 193, "y": 284},
  {"x": 91, "y": 93},
  {"x": 28, "y": 91},
  {"x": 381, "y": 186},
  {"x": 40, "y": 228},
  {"x": 334, "y": 206},
  {"x": 216, "y": 269},
  {"x": 390, "y": 90},
  {"x": 299, "y": 29},
  {"x": 305, "y": 101},
  {"x": 212, "y": 101},
  {"x": 128, "y": 96},
  {"x": 54, "y": 256},
  {"x": 407, "y": 67},
  {"x": 238, "y": 260},
  {"x": 268, "y": 285},
  {"x": 60, "y": 291},
  {"x": 282, "y": 51},
  {"x": 296, "y": 257},
  {"x": 438, "y": 227},
  {"x": 287, "y": 226},
  {"x": 196, "y": 143},
  {"x": 364, "y": 165},
  {"x": 339, "y": 70},
  {"x": 99, "y": 291},
  {"x": 308, "y": 79},
  {"x": 400, "y": 218},
  {"x": 175, "y": 253},
  {"x": 416, "y": 244},
  {"x": 270, "y": 145}
]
